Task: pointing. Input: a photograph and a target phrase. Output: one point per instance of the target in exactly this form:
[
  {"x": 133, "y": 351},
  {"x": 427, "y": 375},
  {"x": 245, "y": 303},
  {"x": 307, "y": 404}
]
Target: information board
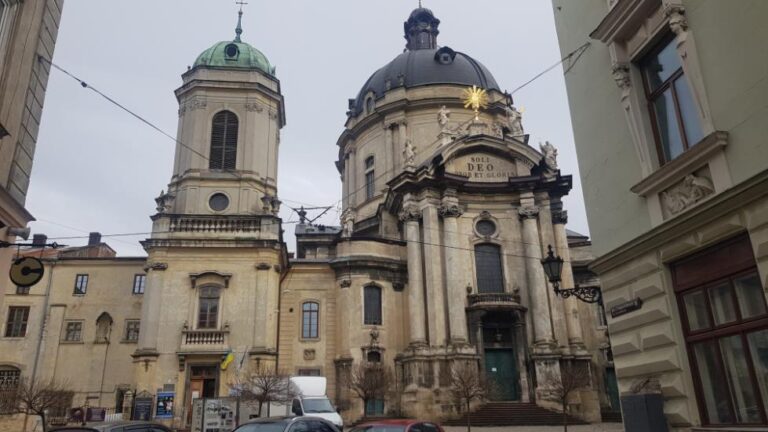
[
  {"x": 142, "y": 408},
  {"x": 164, "y": 407}
]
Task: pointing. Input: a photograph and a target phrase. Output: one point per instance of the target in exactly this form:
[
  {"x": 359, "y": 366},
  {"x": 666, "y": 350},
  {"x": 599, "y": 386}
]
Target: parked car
[
  {"x": 396, "y": 425},
  {"x": 116, "y": 427},
  {"x": 288, "y": 424}
]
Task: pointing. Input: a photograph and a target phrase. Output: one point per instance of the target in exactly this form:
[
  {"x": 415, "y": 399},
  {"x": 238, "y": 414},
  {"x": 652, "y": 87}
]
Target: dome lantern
[{"x": 421, "y": 30}]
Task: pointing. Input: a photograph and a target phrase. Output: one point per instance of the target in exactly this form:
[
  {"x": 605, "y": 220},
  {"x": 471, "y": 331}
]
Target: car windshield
[
  {"x": 379, "y": 428},
  {"x": 262, "y": 427},
  {"x": 317, "y": 406}
]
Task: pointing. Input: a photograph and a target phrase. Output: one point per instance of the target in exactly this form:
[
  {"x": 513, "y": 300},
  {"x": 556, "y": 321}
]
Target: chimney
[
  {"x": 94, "y": 239},
  {"x": 39, "y": 240}
]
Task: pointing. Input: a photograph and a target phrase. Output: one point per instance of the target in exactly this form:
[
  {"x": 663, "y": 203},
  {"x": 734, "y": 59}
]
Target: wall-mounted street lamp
[{"x": 553, "y": 267}]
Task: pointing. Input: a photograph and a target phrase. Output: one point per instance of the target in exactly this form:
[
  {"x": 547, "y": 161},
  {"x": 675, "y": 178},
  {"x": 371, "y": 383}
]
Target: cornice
[
  {"x": 623, "y": 19},
  {"x": 716, "y": 207}
]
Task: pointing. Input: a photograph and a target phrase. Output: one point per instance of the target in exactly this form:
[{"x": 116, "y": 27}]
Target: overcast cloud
[{"x": 98, "y": 169}]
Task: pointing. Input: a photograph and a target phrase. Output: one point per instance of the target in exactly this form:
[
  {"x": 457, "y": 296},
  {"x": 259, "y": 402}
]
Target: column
[
  {"x": 389, "y": 145},
  {"x": 411, "y": 215},
  {"x": 402, "y": 127},
  {"x": 537, "y": 284},
  {"x": 433, "y": 267},
  {"x": 457, "y": 294},
  {"x": 150, "y": 308},
  {"x": 572, "y": 321}
]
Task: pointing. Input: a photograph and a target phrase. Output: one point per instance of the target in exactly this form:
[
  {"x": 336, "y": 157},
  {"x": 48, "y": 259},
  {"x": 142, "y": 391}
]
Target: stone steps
[{"x": 514, "y": 414}]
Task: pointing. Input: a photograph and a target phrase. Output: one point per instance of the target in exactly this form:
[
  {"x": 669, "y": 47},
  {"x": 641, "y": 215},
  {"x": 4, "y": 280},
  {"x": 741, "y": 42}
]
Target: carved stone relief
[{"x": 685, "y": 194}]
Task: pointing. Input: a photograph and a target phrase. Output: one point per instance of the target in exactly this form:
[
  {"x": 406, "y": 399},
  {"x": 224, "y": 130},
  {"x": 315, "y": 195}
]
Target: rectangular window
[
  {"x": 725, "y": 319},
  {"x": 81, "y": 284},
  {"x": 372, "y": 305},
  {"x": 132, "y": 330},
  {"x": 139, "y": 282},
  {"x": 73, "y": 331},
  {"x": 374, "y": 407},
  {"x": 673, "y": 111},
  {"x": 310, "y": 312},
  {"x": 370, "y": 178},
  {"x": 17, "y": 321},
  {"x": 309, "y": 372}
]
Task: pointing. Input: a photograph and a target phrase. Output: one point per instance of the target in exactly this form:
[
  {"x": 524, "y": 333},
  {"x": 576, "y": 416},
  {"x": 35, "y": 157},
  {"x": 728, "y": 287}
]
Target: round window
[
  {"x": 218, "y": 202},
  {"x": 231, "y": 50},
  {"x": 485, "y": 227}
]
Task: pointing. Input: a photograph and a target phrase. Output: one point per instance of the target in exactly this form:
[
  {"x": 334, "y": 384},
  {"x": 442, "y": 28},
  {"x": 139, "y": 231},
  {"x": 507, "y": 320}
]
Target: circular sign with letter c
[{"x": 26, "y": 271}]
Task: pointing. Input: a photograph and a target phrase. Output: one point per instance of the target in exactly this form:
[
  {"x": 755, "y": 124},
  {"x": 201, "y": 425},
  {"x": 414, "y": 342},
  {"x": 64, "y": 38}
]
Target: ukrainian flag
[{"x": 227, "y": 360}]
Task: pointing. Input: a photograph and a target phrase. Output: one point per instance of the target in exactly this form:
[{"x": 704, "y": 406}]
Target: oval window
[
  {"x": 231, "y": 50},
  {"x": 218, "y": 202},
  {"x": 485, "y": 227}
]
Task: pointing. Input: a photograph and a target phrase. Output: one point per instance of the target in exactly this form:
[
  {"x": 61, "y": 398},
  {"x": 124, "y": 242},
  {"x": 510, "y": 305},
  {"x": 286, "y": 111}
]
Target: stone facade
[
  {"x": 27, "y": 30},
  {"x": 657, "y": 220},
  {"x": 446, "y": 215}
]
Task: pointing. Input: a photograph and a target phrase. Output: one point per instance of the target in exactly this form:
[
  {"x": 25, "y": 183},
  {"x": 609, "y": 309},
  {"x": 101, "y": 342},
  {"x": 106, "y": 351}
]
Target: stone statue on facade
[
  {"x": 443, "y": 117},
  {"x": 164, "y": 202},
  {"x": 690, "y": 191},
  {"x": 347, "y": 223},
  {"x": 409, "y": 154},
  {"x": 550, "y": 155},
  {"x": 514, "y": 121}
]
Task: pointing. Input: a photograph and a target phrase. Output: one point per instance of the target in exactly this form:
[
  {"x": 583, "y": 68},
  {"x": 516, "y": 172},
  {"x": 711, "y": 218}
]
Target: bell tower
[{"x": 216, "y": 252}]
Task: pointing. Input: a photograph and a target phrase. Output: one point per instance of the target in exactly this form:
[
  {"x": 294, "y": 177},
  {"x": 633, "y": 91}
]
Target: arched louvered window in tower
[
  {"x": 224, "y": 141},
  {"x": 490, "y": 278}
]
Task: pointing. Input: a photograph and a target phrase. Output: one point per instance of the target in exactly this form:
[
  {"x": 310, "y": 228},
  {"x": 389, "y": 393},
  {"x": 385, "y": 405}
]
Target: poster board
[
  {"x": 142, "y": 408},
  {"x": 164, "y": 405}
]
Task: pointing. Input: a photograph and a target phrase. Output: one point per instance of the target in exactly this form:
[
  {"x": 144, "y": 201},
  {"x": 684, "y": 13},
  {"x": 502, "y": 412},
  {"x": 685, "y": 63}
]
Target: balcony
[
  {"x": 204, "y": 341},
  {"x": 505, "y": 301},
  {"x": 214, "y": 224}
]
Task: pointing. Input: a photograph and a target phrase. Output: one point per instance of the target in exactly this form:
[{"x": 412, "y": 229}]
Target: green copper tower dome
[{"x": 235, "y": 54}]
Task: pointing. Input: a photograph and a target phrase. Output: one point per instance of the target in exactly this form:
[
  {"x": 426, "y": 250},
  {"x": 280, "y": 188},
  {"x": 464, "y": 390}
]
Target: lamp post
[{"x": 553, "y": 267}]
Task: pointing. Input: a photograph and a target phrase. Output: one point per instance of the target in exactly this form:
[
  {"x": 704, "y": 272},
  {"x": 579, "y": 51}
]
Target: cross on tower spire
[{"x": 239, "y": 28}]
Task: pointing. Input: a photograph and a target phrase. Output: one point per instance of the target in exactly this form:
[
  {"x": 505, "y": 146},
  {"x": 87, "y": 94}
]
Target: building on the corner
[
  {"x": 447, "y": 213},
  {"x": 669, "y": 117}
]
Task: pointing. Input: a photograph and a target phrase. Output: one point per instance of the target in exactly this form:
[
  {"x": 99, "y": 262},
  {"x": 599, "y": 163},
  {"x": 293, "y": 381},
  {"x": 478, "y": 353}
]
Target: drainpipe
[{"x": 43, "y": 319}]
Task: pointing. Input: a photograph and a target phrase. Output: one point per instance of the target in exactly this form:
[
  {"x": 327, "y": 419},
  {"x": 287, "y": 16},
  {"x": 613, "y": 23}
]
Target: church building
[{"x": 448, "y": 211}]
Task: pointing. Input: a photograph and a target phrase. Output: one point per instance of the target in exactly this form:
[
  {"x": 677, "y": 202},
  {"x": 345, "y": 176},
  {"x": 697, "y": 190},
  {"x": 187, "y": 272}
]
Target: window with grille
[
  {"x": 18, "y": 316},
  {"x": 81, "y": 284},
  {"x": 139, "y": 283},
  {"x": 224, "y": 141},
  {"x": 9, "y": 382},
  {"x": 370, "y": 178},
  {"x": 310, "y": 312},
  {"x": 372, "y": 305},
  {"x": 73, "y": 331},
  {"x": 672, "y": 108},
  {"x": 132, "y": 330},
  {"x": 208, "y": 311},
  {"x": 490, "y": 278}
]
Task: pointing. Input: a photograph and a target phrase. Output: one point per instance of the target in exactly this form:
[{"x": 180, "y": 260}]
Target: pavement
[{"x": 603, "y": 427}]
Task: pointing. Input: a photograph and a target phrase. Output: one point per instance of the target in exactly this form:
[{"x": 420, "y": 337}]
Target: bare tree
[
  {"x": 573, "y": 376},
  {"x": 40, "y": 398},
  {"x": 468, "y": 385},
  {"x": 370, "y": 381},
  {"x": 261, "y": 385}
]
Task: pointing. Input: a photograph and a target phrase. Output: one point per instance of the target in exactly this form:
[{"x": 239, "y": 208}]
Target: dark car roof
[
  {"x": 285, "y": 420},
  {"x": 99, "y": 427},
  {"x": 395, "y": 422}
]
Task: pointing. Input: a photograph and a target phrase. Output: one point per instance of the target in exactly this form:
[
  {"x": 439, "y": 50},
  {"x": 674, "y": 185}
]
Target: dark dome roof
[{"x": 423, "y": 63}]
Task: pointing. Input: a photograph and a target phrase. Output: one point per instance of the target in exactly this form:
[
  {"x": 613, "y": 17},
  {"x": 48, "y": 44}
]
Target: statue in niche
[
  {"x": 690, "y": 191},
  {"x": 514, "y": 122},
  {"x": 550, "y": 155},
  {"x": 347, "y": 223},
  {"x": 409, "y": 153},
  {"x": 443, "y": 117}
]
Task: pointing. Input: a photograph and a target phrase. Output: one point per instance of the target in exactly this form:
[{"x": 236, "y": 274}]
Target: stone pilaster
[
  {"x": 433, "y": 265},
  {"x": 572, "y": 320},
  {"x": 457, "y": 318},
  {"x": 150, "y": 309},
  {"x": 537, "y": 285},
  {"x": 402, "y": 127},
  {"x": 410, "y": 216}
]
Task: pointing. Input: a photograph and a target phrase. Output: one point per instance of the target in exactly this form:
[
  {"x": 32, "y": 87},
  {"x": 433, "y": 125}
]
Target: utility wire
[{"x": 575, "y": 54}]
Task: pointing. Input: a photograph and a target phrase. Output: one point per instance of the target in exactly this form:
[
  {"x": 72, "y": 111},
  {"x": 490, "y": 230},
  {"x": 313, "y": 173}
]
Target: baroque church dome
[
  {"x": 424, "y": 63},
  {"x": 235, "y": 54}
]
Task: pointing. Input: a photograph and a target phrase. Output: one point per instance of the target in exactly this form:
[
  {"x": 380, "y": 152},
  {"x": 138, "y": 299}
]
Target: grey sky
[{"x": 98, "y": 169}]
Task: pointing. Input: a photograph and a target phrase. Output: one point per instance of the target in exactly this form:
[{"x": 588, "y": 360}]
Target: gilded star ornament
[{"x": 475, "y": 98}]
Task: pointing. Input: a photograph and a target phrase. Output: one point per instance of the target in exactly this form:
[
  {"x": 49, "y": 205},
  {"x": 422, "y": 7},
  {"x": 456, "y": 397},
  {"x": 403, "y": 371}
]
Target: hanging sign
[{"x": 26, "y": 271}]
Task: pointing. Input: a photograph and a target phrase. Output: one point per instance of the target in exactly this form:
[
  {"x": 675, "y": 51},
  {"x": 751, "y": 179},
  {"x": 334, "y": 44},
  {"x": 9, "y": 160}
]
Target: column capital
[
  {"x": 528, "y": 212},
  {"x": 447, "y": 210},
  {"x": 410, "y": 212},
  {"x": 620, "y": 74},
  {"x": 559, "y": 217}
]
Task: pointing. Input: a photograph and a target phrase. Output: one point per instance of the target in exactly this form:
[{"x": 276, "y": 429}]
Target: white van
[{"x": 311, "y": 401}]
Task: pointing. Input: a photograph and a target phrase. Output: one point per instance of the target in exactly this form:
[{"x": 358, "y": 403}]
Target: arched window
[
  {"x": 490, "y": 278},
  {"x": 103, "y": 327},
  {"x": 208, "y": 310},
  {"x": 370, "y": 178},
  {"x": 372, "y": 305},
  {"x": 224, "y": 141},
  {"x": 310, "y": 312}
]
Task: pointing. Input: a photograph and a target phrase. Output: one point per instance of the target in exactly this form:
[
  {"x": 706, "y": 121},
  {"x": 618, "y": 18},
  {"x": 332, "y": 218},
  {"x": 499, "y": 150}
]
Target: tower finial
[
  {"x": 239, "y": 28},
  {"x": 419, "y": 4}
]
